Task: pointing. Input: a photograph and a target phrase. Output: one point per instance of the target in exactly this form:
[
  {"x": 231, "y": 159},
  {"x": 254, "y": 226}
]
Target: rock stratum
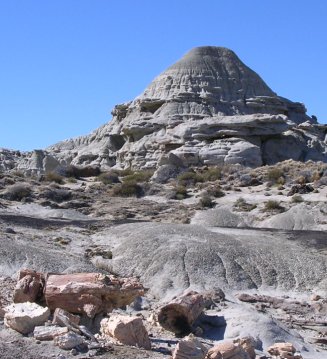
[{"x": 208, "y": 108}]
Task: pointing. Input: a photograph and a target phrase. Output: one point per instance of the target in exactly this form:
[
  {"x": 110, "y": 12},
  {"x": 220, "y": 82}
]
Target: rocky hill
[{"x": 208, "y": 108}]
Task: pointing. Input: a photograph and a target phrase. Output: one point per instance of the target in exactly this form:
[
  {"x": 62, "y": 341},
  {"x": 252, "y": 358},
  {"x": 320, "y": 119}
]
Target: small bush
[
  {"x": 18, "y": 174},
  {"x": 216, "y": 192},
  {"x": 127, "y": 189},
  {"x": 71, "y": 180},
  {"x": 179, "y": 192},
  {"x": 211, "y": 174},
  {"x": 272, "y": 205},
  {"x": 297, "y": 198},
  {"x": 206, "y": 201},
  {"x": 301, "y": 180},
  {"x": 17, "y": 192},
  {"x": 316, "y": 175},
  {"x": 139, "y": 176},
  {"x": 274, "y": 175},
  {"x": 189, "y": 178},
  {"x": 57, "y": 195},
  {"x": 109, "y": 177},
  {"x": 54, "y": 177},
  {"x": 125, "y": 172},
  {"x": 242, "y": 205},
  {"x": 77, "y": 172}
]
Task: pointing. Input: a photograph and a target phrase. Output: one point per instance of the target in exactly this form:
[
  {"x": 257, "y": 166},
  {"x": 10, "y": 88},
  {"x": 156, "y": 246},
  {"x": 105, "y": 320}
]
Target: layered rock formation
[{"x": 208, "y": 108}]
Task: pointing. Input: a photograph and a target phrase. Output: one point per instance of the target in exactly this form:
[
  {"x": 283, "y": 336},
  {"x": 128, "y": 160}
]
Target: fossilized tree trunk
[
  {"x": 90, "y": 293},
  {"x": 179, "y": 315}
]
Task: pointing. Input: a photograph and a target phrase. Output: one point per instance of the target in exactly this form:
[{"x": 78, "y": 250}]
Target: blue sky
[{"x": 64, "y": 64}]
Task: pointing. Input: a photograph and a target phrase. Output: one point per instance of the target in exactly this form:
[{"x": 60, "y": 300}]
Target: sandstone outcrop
[{"x": 207, "y": 108}]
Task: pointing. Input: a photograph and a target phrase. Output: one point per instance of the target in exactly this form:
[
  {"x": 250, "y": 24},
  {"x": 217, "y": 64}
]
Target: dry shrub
[
  {"x": 54, "y": 177},
  {"x": 127, "y": 189},
  {"x": 17, "y": 192}
]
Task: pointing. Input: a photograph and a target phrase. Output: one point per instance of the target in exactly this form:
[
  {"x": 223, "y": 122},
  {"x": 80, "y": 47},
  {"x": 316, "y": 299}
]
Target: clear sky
[{"x": 64, "y": 64}]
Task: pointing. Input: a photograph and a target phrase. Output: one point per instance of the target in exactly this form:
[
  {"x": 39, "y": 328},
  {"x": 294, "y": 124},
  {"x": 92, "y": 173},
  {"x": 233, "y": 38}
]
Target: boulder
[
  {"x": 126, "y": 330},
  {"x": 24, "y": 317},
  {"x": 227, "y": 350},
  {"x": 190, "y": 348},
  {"x": 48, "y": 332},
  {"x": 68, "y": 341}
]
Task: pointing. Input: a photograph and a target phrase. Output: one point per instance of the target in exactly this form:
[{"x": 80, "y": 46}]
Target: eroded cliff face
[{"x": 207, "y": 109}]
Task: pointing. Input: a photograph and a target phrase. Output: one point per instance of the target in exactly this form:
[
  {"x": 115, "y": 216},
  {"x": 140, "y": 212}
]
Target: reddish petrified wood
[
  {"x": 29, "y": 287},
  {"x": 179, "y": 315},
  {"x": 90, "y": 293}
]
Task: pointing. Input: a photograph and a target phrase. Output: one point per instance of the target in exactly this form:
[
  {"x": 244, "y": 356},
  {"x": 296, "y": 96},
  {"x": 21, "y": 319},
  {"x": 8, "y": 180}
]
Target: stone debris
[
  {"x": 126, "y": 330},
  {"x": 90, "y": 293},
  {"x": 68, "y": 341},
  {"x": 189, "y": 348},
  {"x": 24, "y": 317},
  {"x": 48, "y": 332},
  {"x": 227, "y": 350},
  {"x": 283, "y": 351},
  {"x": 179, "y": 315}
]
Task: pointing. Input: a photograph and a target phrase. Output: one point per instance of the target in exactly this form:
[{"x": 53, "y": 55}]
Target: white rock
[{"x": 23, "y": 317}]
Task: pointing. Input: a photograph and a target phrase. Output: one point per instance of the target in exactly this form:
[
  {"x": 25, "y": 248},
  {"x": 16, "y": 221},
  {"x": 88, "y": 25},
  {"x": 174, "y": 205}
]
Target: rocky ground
[{"x": 258, "y": 235}]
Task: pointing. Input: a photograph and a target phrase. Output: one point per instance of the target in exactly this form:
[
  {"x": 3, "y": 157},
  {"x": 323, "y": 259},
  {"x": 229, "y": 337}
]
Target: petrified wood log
[
  {"x": 90, "y": 293},
  {"x": 179, "y": 315}
]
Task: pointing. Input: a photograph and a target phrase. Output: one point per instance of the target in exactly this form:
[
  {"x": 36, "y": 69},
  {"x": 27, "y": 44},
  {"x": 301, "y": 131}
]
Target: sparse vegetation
[
  {"x": 17, "y": 192},
  {"x": 57, "y": 195},
  {"x": 276, "y": 175},
  {"x": 272, "y": 205},
  {"x": 139, "y": 176},
  {"x": 243, "y": 206},
  {"x": 189, "y": 178},
  {"x": 301, "y": 180},
  {"x": 212, "y": 174},
  {"x": 127, "y": 189},
  {"x": 77, "y": 172},
  {"x": 216, "y": 192},
  {"x": 179, "y": 192},
  {"x": 297, "y": 198},
  {"x": 54, "y": 177},
  {"x": 109, "y": 177},
  {"x": 206, "y": 201}
]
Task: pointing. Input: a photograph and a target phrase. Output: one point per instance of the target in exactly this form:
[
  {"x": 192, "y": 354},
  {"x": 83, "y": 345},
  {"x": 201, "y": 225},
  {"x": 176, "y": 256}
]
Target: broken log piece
[
  {"x": 29, "y": 287},
  {"x": 179, "y": 315},
  {"x": 48, "y": 332},
  {"x": 65, "y": 319},
  {"x": 90, "y": 293}
]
